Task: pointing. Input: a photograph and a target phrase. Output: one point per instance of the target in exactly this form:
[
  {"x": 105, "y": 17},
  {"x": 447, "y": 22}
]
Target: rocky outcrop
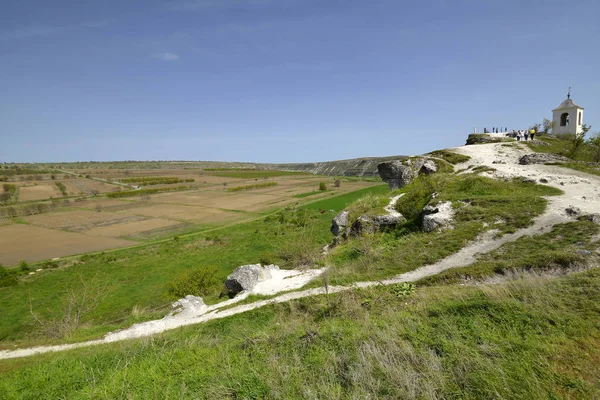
[
  {"x": 542, "y": 158},
  {"x": 366, "y": 166},
  {"x": 595, "y": 218},
  {"x": 395, "y": 174},
  {"x": 422, "y": 165},
  {"x": 339, "y": 224},
  {"x": 398, "y": 173},
  {"x": 437, "y": 216},
  {"x": 247, "y": 276},
  {"x": 576, "y": 212},
  {"x": 384, "y": 221},
  {"x": 362, "y": 226},
  {"x": 482, "y": 138}
]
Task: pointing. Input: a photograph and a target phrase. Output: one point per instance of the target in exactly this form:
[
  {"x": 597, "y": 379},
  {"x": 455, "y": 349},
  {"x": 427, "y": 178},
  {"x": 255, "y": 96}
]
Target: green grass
[
  {"x": 338, "y": 203},
  {"x": 534, "y": 338},
  {"x": 477, "y": 200},
  {"x": 449, "y": 156},
  {"x": 564, "y": 247},
  {"x": 136, "y": 277},
  {"x": 307, "y": 194},
  {"x": 583, "y": 167}
]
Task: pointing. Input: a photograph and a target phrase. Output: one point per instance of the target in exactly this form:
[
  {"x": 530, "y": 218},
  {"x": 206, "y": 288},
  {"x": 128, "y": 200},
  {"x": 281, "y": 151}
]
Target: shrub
[
  {"x": 337, "y": 183},
  {"x": 23, "y": 266},
  {"x": 6, "y": 278},
  {"x": 199, "y": 281},
  {"x": 322, "y": 186}
]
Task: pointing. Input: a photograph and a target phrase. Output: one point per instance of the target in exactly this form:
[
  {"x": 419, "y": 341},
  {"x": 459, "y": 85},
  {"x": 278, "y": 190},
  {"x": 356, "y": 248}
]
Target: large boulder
[
  {"x": 437, "y": 216},
  {"x": 384, "y": 221},
  {"x": 542, "y": 158},
  {"x": 188, "y": 306},
  {"x": 395, "y": 173},
  {"x": 363, "y": 225},
  {"x": 422, "y": 165},
  {"x": 247, "y": 276},
  {"x": 339, "y": 224},
  {"x": 483, "y": 138}
]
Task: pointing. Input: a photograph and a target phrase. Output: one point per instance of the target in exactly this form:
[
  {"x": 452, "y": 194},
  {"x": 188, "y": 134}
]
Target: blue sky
[{"x": 283, "y": 80}]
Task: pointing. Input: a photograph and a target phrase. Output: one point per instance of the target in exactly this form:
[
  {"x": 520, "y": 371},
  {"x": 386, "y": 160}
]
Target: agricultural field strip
[{"x": 197, "y": 233}]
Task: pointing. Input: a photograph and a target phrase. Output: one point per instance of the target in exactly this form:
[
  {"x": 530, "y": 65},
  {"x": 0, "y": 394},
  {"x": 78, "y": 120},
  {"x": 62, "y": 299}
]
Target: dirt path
[{"x": 580, "y": 190}]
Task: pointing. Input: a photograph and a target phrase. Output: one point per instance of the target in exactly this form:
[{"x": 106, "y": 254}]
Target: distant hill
[{"x": 365, "y": 166}]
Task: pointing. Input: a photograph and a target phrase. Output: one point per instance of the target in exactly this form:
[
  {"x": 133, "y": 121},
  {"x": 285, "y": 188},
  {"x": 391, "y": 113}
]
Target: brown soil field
[
  {"x": 32, "y": 243},
  {"x": 86, "y": 186},
  {"x": 92, "y": 203},
  {"x": 40, "y": 192},
  {"x": 131, "y": 228},
  {"x": 79, "y": 220},
  {"x": 188, "y": 213}
]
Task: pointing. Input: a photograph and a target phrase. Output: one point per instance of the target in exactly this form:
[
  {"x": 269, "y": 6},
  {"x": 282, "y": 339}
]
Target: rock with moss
[
  {"x": 385, "y": 221},
  {"x": 482, "y": 138},
  {"x": 422, "y": 165},
  {"x": 543, "y": 158},
  {"x": 340, "y": 224},
  {"x": 363, "y": 225},
  {"x": 395, "y": 174},
  {"x": 437, "y": 216}
]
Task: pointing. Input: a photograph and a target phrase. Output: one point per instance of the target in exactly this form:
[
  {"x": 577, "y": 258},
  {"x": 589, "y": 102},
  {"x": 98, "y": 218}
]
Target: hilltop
[{"x": 499, "y": 301}]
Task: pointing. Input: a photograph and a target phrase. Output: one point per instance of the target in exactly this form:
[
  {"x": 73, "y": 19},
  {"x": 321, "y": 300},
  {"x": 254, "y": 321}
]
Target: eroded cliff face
[{"x": 354, "y": 167}]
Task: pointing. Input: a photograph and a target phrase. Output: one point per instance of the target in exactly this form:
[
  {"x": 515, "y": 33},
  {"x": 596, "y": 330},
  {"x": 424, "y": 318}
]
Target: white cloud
[
  {"x": 166, "y": 56},
  {"x": 37, "y": 30},
  {"x": 210, "y": 4}
]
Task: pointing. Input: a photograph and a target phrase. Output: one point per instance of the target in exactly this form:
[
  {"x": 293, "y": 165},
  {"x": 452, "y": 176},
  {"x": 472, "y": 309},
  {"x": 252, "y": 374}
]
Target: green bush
[
  {"x": 6, "y": 278},
  {"x": 199, "y": 281},
  {"x": 418, "y": 194},
  {"x": 23, "y": 266},
  {"x": 322, "y": 186}
]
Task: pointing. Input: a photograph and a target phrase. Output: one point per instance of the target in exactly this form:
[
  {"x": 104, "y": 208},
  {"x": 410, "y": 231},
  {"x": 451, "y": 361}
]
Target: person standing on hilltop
[{"x": 532, "y": 133}]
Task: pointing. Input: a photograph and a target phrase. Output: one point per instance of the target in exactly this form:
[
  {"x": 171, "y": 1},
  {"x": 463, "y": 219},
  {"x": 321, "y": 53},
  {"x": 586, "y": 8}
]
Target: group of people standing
[
  {"x": 495, "y": 130},
  {"x": 525, "y": 134}
]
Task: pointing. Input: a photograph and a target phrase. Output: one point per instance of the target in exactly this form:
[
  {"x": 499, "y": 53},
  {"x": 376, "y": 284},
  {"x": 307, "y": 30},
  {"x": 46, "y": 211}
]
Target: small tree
[
  {"x": 337, "y": 183},
  {"x": 23, "y": 266},
  {"x": 322, "y": 186},
  {"x": 578, "y": 140},
  {"x": 547, "y": 125},
  {"x": 199, "y": 281},
  {"x": 594, "y": 143}
]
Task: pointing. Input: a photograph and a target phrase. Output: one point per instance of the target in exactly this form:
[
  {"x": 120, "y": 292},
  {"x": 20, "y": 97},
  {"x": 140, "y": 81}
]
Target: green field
[{"x": 137, "y": 278}]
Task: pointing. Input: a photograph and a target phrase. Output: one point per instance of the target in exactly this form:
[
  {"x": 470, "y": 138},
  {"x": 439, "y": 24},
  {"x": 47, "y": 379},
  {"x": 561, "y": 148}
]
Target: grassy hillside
[
  {"x": 133, "y": 281},
  {"x": 521, "y": 322},
  {"x": 532, "y": 338}
]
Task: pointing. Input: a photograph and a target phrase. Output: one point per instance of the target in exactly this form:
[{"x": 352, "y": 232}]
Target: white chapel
[{"x": 567, "y": 117}]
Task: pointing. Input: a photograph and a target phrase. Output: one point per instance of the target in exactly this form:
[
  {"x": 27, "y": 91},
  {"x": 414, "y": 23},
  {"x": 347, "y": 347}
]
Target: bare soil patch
[
  {"x": 79, "y": 220},
  {"x": 187, "y": 213},
  {"x": 39, "y": 192},
  {"x": 33, "y": 243},
  {"x": 131, "y": 228}
]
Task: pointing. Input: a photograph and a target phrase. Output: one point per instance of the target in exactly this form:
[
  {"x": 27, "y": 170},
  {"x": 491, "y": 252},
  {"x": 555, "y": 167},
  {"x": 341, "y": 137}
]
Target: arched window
[
  {"x": 564, "y": 119},
  {"x": 579, "y": 117}
]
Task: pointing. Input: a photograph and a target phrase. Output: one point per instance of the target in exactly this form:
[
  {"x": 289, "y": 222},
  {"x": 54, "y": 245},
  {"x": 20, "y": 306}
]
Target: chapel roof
[{"x": 568, "y": 103}]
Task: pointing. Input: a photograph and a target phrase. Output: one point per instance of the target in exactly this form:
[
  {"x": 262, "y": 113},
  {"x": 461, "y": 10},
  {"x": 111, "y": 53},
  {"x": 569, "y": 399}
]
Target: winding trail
[{"x": 580, "y": 190}]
